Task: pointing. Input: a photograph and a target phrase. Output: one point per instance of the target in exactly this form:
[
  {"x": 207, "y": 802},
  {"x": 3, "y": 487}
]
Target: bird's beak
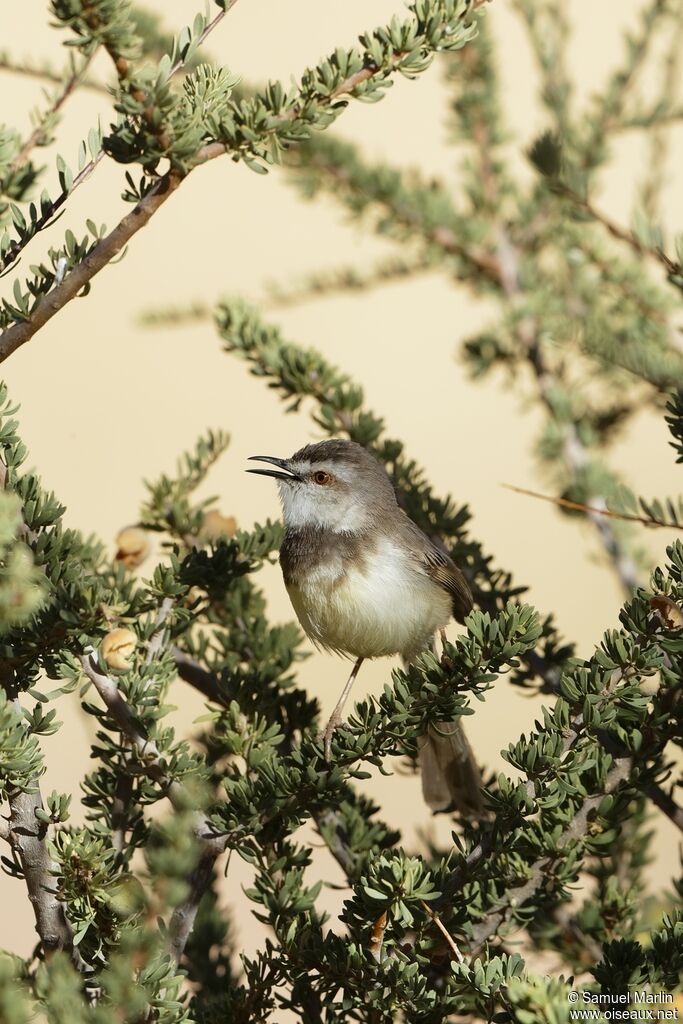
[{"x": 282, "y": 464}]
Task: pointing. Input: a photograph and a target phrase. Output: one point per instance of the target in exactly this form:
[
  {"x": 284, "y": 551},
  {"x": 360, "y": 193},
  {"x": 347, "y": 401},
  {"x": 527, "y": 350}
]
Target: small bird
[{"x": 366, "y": 582}]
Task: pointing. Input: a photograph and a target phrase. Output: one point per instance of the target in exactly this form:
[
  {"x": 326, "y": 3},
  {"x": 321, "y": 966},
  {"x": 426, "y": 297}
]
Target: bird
[{"x": 366, "y": 582}]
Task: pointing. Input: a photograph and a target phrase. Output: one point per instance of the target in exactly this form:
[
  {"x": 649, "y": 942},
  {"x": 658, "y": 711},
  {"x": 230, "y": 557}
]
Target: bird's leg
[
  {"x": 445, "y": 660},
  {"x": 336, "y": 716}
]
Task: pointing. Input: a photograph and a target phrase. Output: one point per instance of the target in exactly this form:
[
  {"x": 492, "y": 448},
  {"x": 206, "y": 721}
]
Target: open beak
[{"x": 282, "y": 464}]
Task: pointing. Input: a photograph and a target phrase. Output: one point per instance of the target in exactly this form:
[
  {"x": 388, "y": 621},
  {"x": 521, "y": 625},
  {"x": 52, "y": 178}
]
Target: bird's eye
[{"x": 321, "y": 477}]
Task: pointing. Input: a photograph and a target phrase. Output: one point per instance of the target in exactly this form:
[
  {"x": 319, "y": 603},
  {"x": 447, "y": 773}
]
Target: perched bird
[{"x": 367, "y": 583}]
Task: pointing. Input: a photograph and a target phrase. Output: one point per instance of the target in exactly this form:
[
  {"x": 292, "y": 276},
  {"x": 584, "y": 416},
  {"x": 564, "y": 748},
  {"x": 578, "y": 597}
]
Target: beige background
[{"x": 106, "y": 403}]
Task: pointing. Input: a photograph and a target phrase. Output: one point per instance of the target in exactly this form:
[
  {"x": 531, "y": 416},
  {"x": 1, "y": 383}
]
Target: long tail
[{"x": 450, "y": 775}]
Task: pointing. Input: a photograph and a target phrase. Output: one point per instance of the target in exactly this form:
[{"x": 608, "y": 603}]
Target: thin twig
[
  {"x": 52, "y": 208},
  {"x": 123, "y": 793},
  {"x": 105, "y": 250},
  {"x": 578, "y": 506},
  {"x": 618, "y": 231},
  {"x": 335, "y": 281},
  {"x": 444, "y": 931},
  {"x": 122, "y": 714},
  {"x": 47, "y": 74},
  {"x": 74, "y": 80},
  {"x": 207, "y": 32}
]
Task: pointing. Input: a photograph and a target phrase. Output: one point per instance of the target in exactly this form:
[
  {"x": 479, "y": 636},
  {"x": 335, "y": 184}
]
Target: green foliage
[
  {"x": 127, "y": 902},
  {"x": 21, "y": 761}
]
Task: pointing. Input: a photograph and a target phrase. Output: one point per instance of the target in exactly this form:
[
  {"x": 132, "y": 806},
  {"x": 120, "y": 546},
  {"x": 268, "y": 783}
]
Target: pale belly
[{"x": 390, "y": 608}]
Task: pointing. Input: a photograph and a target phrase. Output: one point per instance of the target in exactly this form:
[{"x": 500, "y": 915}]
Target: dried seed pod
[
  {"x": 216, "y": 525},
  {"x": 668, "y": 611},
  {"x": 194, "y": 595},
  {"x": 117, "y": 648},
  {"x": 650, "y": 685},
  {"x": 132, "y": 546}
]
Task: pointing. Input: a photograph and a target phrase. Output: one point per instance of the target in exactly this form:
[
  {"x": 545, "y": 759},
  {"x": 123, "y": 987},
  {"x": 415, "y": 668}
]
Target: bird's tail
[{"x": 450, "y": 774}]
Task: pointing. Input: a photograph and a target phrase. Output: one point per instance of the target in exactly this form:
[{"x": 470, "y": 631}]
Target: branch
[
  {"x": 578, "y": 506},
  {"x": 618, "y": 231},
  {"x": 444, "y": 931},
  {"x": 416, "y": 209},
  {"x": 574, "y": 449},
  {"x": 17, "y": 335},
  {"x": 207, "y": 32},
  {"x": 605, "y": 118},
  {"x": 52, "y": 208},
  {"x": 183, "y": 917},
  {"x": 210, "y": 843},
  {"x": 192, "y": 672},
  {"x": 491, "y": 924},
  {"x": 158, "y": 638},
  {"x": 7, "y": 63},
  {"x": 112, "y": 244},
  {"x": 73, "y": 81},
  {"x": 666, "y": 804},
  {"x": 28, "y": 837},
  {"x": 332, "y": 281}
]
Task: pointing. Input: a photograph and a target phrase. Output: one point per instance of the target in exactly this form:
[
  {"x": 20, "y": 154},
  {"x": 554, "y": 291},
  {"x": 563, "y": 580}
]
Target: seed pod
[
  {"x": 668, "y": 611},
  {"x": 216, "y": 525},
  {"x": 117, "y": 648},
  {"x": 132, "y": 546},
  {"x": 650, "y": 685}
]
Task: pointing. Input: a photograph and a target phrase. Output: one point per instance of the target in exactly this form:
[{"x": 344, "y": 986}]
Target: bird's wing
[{"x": 441, "y": 568}]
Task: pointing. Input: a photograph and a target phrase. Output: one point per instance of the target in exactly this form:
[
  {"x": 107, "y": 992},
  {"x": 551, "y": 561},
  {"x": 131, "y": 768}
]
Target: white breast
[{"x": 387, "y": 606}]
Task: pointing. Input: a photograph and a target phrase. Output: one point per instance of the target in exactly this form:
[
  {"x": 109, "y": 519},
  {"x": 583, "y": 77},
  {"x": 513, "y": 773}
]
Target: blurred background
[{"x": 107, "y": 402}]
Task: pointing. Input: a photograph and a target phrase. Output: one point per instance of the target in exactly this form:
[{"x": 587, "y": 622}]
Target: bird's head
[{"x": 335, "y": 485}]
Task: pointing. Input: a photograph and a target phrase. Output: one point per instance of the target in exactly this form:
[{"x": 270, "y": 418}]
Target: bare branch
[
  {"x": 47, "y": 74},
  {"x": 444, "y": 931},
  {"x": 578, "y": 506}
]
